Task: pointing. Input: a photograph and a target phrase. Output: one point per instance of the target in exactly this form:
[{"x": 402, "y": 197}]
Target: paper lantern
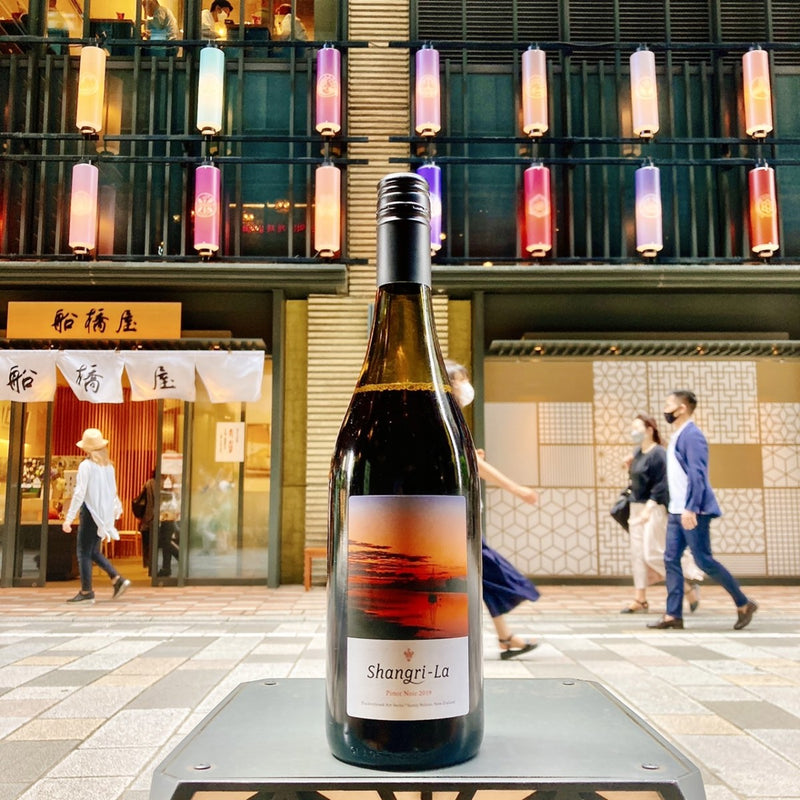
[
  {"x": 427, "y": 103},
  {"x": 538, "y": 212},
  {"x": 327, "y": 210},
  {"x": 534, "y": 92},
  {"x": 207, "y": 212},
  {"x": 649, "y": 234},
  {"x": 757, "y": 93},
  {"x": 210, "y": 91},
  {"x": 644, "y": 94},
  {"x": 329, "y": 97},
  {"x": 91, "y": 90},
  {"x": 763, "y": 211},
  {"x": 83, "y": 209},
  {"x": 433, "y": 175}
]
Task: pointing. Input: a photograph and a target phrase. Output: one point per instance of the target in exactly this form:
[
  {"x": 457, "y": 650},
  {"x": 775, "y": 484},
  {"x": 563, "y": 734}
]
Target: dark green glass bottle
[{"x": 404, "y": 684}]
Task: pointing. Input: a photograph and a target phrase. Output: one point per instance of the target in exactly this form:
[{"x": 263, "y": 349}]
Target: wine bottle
[{"x": 404, "y": 677}]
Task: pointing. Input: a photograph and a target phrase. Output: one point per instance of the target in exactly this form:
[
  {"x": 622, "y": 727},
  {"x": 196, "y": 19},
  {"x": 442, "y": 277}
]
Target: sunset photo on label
[{"x": 407, "y": 565}]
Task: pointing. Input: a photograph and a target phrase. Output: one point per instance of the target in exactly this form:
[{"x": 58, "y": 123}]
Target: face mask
[
  {"x": 670, "y": 416},
  {"x": 637, "y": 437},
  {"x": 464, "y": 393}
]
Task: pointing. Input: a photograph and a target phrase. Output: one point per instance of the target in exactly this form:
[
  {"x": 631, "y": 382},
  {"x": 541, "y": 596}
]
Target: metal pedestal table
[{"x": 554, "y": 739}]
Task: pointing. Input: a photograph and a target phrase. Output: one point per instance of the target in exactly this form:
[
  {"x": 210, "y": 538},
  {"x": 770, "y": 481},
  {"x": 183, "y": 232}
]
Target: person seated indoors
[
  {"x": 161, "y": 22},
  {"x": 288, "y": 25},
  {"x": 213, "y": 20}
]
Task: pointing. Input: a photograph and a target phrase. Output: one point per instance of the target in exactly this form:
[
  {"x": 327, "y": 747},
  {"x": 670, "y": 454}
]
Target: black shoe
[
  {"x": 513, "y": 652},
  {"x": 82, "y": 598},
  {"x": 666, "y": 623},
  {"x": 165, "y": 573},
  {"x": 746, "y": 615},
  {"x": 120, "y": 586}
]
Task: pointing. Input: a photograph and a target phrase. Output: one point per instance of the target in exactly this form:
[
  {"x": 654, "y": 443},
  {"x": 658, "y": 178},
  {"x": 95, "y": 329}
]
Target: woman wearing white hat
[{"x": 96, "y": 498}]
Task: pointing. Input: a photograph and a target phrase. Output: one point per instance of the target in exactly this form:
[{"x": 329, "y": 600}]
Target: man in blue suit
[{"x": 692, "y": 506}]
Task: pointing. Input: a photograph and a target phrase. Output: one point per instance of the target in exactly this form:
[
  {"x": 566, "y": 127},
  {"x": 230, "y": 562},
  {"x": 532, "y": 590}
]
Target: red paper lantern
[
  {"x": 538, "y": 211},
  {"x": 757, "y": 93},
  {"x": 763, "y": 211}
]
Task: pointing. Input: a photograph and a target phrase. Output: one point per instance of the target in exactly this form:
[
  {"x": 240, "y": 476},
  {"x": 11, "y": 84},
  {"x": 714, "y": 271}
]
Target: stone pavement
[{"x": 92, "y": 698}]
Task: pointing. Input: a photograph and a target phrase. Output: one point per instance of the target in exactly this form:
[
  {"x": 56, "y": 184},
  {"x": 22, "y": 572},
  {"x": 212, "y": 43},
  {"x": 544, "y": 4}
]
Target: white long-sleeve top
[{"x": 97, "y": 487}]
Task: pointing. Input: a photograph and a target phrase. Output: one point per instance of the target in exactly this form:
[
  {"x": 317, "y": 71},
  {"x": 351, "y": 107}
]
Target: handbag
[
  {"x": 139, "y": 504},
  {"x": 621, "y": 510}
]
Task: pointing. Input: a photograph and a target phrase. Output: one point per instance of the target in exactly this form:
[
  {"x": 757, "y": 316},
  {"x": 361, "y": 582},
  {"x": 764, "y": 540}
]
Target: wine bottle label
[{"x": 407, "y": 607}]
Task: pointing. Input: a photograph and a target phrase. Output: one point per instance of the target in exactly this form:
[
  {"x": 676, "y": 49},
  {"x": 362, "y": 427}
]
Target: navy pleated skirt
[{"x": 504, "y": 586}]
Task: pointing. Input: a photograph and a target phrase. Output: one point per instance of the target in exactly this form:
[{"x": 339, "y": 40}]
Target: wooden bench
[{"x": 309, "y": 554}]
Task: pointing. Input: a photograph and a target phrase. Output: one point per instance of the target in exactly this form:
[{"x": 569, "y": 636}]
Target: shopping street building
[{"x": 590, "y": 260}]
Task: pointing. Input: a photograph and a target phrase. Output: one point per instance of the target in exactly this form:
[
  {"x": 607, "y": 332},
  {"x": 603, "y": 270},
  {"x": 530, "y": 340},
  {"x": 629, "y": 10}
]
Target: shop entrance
[{"x": 209, "y": 464}]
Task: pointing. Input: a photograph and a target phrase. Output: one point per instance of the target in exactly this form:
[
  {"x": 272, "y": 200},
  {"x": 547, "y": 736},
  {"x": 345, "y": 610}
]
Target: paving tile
[
  {"x": 180, "y": 689},
  {"x": 13, "y": 676},
  {"x": 73, "y": 788},
  {"x": 753, "y": 714},
  {"x": 44, "y": 729},
  {"x": 9, "y": 724},
  {"x": 24, "y": 762},
  {"x": 11, "y": 791},
  {"x": 111, "y": 761},
  {"x": 746, "y": 765},
  {"x": 696, "y": 724},
  {"x": 97, "y": 700},
  {"x": 145, "y": 665},
  {"x": 44, "y": 660},
  {"x": 784, "y": 742},
  {"x": 66, "y": 677},
  {"x": 137, "y": 728}
]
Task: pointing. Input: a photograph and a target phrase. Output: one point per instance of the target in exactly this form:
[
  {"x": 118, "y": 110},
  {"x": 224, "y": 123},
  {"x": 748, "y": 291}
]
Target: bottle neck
[
  {"x": 404, "y": 252},
  {"x": 403, "y": 350}
]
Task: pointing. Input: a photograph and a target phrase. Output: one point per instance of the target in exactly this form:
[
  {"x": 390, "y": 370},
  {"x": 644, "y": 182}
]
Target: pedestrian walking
[
  {"x": 504, "y": 586},
  {"x": 647, "y": 525},
  {"x": 692, "y": 506},
  {"x": 95, "y": 497}
]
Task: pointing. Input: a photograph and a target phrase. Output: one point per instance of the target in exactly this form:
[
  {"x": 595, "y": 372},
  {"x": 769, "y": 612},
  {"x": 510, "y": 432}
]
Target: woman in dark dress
[{"x": 504, "y": 586}]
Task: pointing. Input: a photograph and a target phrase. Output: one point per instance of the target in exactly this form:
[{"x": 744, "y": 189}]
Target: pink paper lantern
[
  {"x": 207, "y": 212},
  {"x": 83, "y": 209},
  {"x": 649, "y": 235},
  {"x": 329, "y": 95},
  {"x": 427, "y": 102},
  {"x": 534, "y": 92},
  {"x": 327, "y": 210},
  {"x": 644, "y": 94},
  {"x": 538, "y": 211}
]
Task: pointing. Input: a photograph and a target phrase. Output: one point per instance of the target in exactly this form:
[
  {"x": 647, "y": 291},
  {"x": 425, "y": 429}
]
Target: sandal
[
  {"x": 507, "y": 651},
  {"x": 636, "y": 605}
]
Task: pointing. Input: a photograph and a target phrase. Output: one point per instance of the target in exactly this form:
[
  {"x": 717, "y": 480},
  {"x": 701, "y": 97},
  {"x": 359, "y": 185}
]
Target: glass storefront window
[
  {"x": 230, "y": 485},
  {"x": 13, "y": 22},
  {"x": 64, "y": 21},
  {"x": 121, "y": 20},
  {"x": 5, "y": 436}
]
